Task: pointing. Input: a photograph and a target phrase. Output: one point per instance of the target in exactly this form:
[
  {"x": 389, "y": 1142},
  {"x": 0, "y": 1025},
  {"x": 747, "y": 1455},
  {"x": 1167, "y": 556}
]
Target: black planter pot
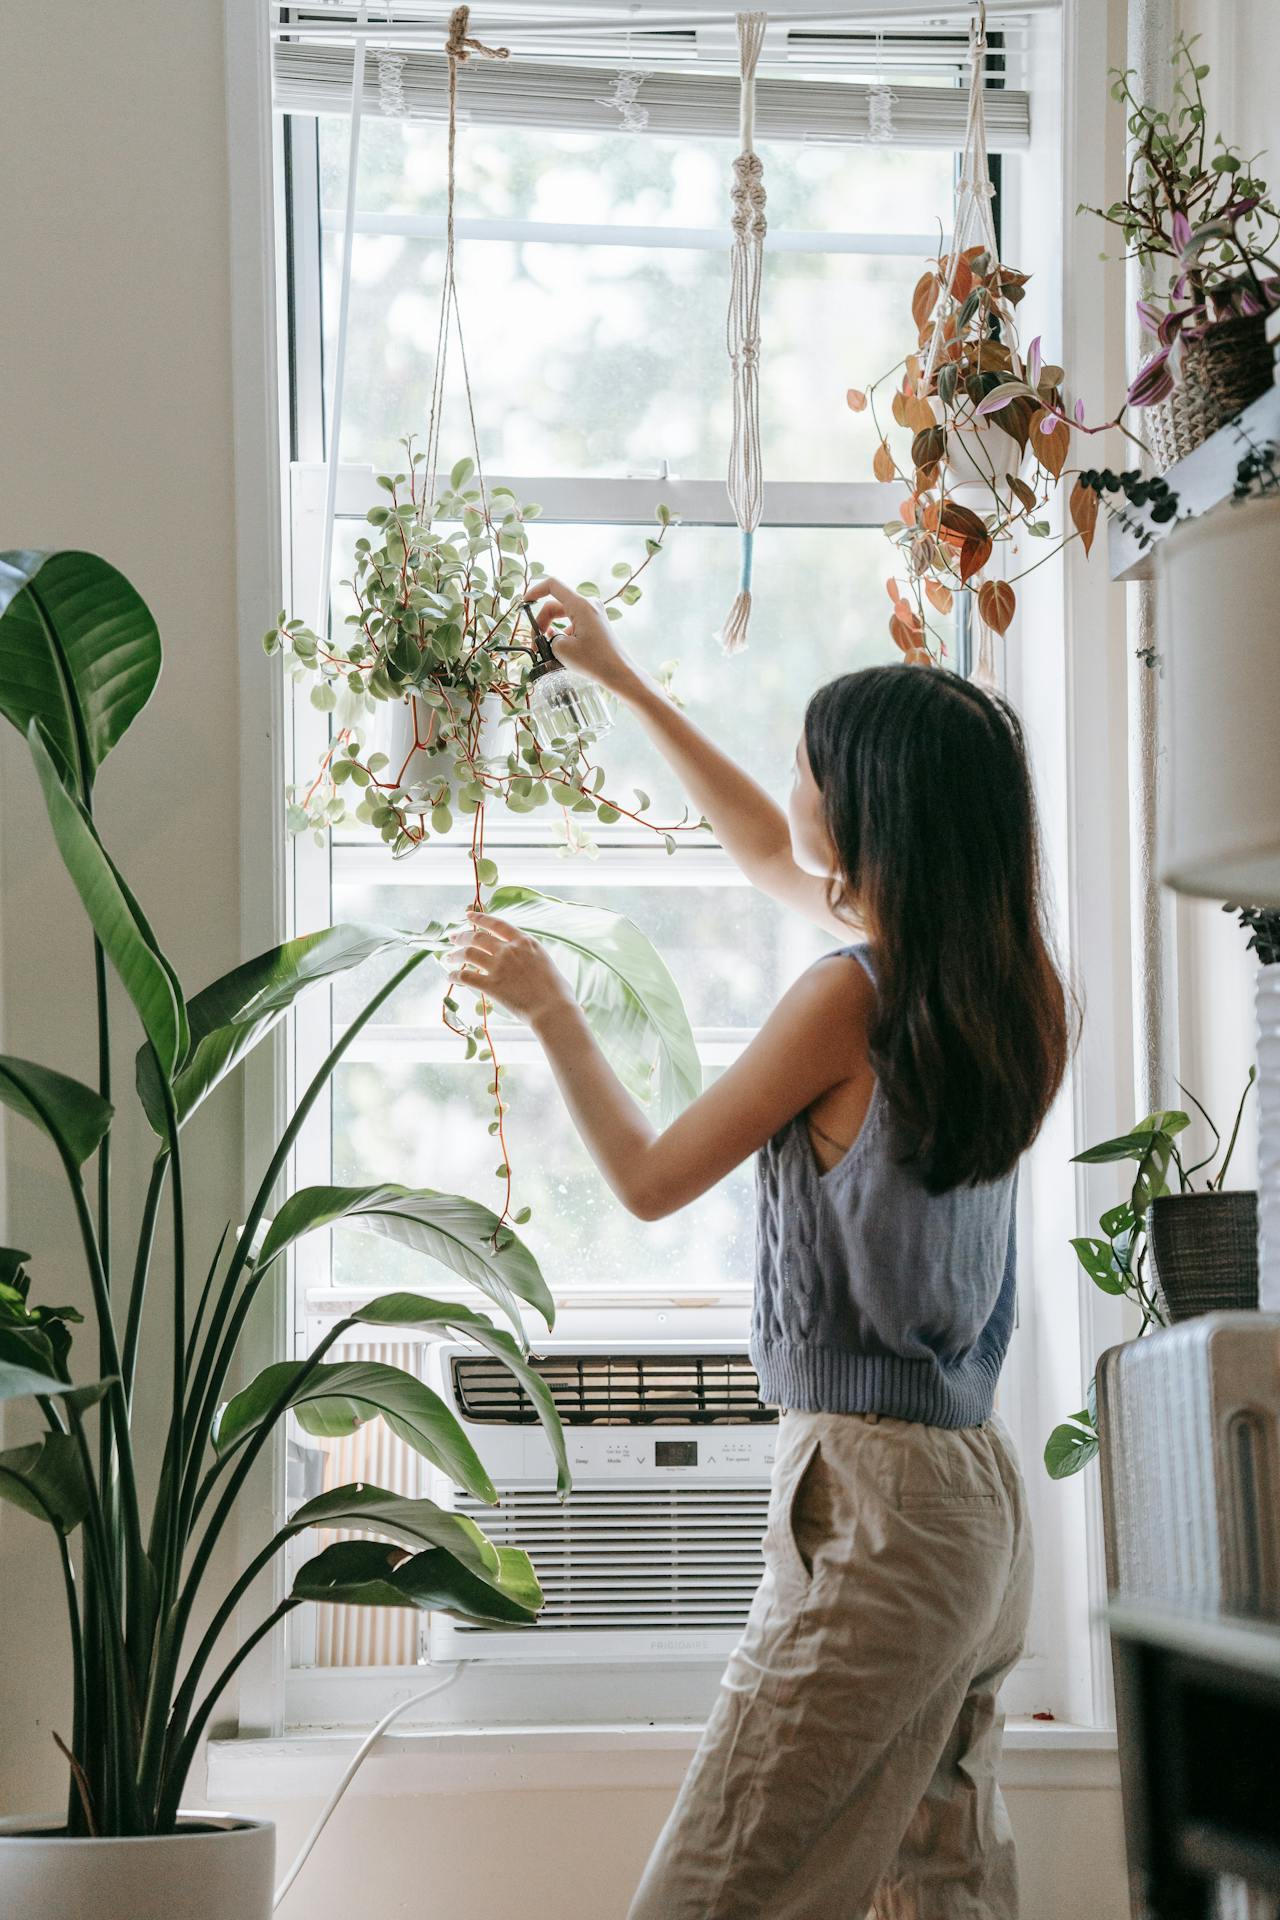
[{"x": 1205, "y": 1249}]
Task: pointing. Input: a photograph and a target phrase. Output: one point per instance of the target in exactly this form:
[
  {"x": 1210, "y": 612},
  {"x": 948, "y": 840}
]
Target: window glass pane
[
  {"x": 421, "y": 1125},
  {"x": 819, "y": 608},
  {"x": 514, "y": 173},
  {"x": 731, "y": 952},
  {"x": 610, "y": 359}
]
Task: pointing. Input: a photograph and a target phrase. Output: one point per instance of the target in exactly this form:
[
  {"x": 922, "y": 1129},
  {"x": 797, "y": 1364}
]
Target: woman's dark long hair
[{"x": 929, "y": 804}]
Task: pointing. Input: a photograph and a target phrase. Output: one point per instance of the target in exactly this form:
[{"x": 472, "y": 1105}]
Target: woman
[{"x": 851, "y": 1759}]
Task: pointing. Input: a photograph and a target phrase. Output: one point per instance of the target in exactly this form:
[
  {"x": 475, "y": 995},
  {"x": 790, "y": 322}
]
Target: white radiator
[{"x": 1190, "y": 1425}]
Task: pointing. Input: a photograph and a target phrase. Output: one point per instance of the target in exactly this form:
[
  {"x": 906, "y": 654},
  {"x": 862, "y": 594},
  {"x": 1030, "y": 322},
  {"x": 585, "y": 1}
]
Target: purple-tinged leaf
[
  {"x": 1153, "y": 382},
  {"x": 1180, "y": 231},
  {"x": 1034, "y": 362},
  {"x": 1079, "y": 413}
]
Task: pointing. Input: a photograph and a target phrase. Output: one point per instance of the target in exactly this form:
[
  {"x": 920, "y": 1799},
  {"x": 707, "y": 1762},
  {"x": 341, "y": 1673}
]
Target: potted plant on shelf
[
  {"x": 1200, "y": 219},
  {"x": 990, "y": 432},
  {"x": 79, "y": 658},
  {"x": 1201, "y": 1243}
]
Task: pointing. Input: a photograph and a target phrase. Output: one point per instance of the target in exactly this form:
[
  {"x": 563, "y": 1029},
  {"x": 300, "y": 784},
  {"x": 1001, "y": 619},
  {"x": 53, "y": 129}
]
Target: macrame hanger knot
[
  {"x": 748, "y": 225},
  {"x": 460, "y": 46}
]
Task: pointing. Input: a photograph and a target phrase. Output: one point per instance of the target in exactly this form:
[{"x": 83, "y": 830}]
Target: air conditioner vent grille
[
  {"x": 623, "y": 1390},
  {"x": 679, "y": 1559}
]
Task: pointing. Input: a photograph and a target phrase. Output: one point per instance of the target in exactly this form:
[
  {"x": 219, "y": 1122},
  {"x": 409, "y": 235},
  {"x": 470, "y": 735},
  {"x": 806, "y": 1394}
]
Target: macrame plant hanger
[
  {"x": 746, "y": 479},
  {"x": 458, "y": 47},
  {"x": 974, "y": 227}
]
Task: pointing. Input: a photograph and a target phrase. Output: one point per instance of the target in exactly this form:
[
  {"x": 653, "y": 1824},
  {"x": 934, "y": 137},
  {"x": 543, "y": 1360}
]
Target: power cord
[{"x": 358, "y": 1759}]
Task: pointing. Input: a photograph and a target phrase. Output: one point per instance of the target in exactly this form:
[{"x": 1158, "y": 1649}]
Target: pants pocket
[{"x": 788, "y": 1550}]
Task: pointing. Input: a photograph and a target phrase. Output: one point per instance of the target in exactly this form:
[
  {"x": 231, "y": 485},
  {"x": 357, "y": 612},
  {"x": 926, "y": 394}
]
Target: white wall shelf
[{"x": 1201, "y": 481}]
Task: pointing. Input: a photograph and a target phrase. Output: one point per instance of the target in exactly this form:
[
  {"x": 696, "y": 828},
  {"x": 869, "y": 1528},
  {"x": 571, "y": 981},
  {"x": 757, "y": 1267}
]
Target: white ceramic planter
[
  {"x": 979, "y": 452},
  {"x": 393, "y": 733},
  {"x": 1219, "y": 594},
  {"x": 220, "y": 1868}
]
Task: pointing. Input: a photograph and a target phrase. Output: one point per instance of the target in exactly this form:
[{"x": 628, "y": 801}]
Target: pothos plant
[
  {"x": 79, "y": 658},
  {"x": 430, "y": 691},
  {"x": 990, "y": 432},
  {"x": 1115, "y": 1258}
]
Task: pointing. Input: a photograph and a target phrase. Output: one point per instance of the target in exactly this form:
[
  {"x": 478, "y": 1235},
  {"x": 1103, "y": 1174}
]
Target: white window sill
[{"x": 490, "y": 1759}]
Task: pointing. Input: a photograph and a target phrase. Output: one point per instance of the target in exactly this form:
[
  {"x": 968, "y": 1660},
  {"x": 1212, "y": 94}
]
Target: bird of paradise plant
[{"x": 79, "y": 658}]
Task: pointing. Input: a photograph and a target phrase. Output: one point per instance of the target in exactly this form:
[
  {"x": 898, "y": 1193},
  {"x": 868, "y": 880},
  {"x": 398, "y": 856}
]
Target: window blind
[{"x": 315, "y": 76}]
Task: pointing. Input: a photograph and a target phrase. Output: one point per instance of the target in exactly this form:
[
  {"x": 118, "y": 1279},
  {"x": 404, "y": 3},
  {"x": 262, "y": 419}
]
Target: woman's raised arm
[{"x": 750, "y": 826}]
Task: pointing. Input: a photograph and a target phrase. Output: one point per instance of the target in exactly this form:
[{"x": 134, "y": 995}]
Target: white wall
[
  {"x": 114, "y": 340},
  {"x": 561, "y": 1856},
  {"x": 117, "y": 437},
  {"x": 1242, "y": 97}
]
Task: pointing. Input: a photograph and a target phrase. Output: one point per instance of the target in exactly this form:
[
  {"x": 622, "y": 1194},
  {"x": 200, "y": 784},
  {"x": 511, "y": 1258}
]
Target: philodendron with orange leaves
[{"x": 991, "y": 432}]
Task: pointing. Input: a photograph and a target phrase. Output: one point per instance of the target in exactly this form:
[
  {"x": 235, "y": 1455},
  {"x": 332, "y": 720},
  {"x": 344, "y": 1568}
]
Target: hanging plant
[
  {"x": 985, "y": 435},
  {"x": 437, "y": 716},
  {"x": 1200, "y": 219},
  {"x": 433, "y": 690}
]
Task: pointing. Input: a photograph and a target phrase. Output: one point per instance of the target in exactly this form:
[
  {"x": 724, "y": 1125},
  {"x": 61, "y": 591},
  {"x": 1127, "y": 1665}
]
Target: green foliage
[
  {"x": 74, "y": 1116},
  {"x": 79, "y": 653},
  {"x": 1115, "y": 1259},
  {"x": 440, "y": 591},
  {"x": 625, "y": 990},
  {"x": 142, "y": 1696}
]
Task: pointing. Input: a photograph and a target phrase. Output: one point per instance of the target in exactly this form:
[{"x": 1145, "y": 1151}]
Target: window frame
[{"x": 1083, "y": 853}]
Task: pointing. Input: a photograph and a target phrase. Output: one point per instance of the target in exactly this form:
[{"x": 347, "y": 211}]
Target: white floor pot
[
  {"x": 404, "y": 730},
  {"x": 1219, "y": 593},
  {"x": 217, "y": 1868}
]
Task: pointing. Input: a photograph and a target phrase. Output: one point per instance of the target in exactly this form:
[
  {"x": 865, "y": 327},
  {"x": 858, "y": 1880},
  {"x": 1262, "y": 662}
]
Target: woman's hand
[
  {"x": 494, "y": 958},
  {"x": 587, "y": 643}
]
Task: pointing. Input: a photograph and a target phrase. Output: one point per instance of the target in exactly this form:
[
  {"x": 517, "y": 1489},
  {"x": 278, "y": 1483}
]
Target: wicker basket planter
[
  {"x": 1205, "y": 1248},
  {"x": 1233, "y": 364}
]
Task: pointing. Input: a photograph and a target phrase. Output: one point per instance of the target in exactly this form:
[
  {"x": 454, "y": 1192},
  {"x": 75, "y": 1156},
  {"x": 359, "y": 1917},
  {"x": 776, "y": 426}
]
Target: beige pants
[{"x": 850, "y": 1761}]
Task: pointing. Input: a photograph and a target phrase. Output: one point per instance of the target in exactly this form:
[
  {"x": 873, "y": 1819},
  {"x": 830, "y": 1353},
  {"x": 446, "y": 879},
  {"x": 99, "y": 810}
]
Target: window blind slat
[{"x": 316, "y": 78}]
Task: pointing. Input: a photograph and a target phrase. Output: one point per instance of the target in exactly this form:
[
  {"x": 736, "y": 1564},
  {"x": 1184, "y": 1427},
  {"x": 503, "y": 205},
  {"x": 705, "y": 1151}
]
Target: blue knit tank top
[{"x": 873, "y": 1295}]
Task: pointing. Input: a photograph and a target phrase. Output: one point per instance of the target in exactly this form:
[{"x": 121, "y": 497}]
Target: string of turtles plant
[{"x": 441, "y": 643}]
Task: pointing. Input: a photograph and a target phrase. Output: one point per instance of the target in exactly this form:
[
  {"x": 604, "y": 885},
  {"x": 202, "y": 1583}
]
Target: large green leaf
[
  {"x": 369, "y": 1573},
  {"x": 79, "y": 652},
  {"x": 1070, "y": 1447},
  {"x": 625, "y": 990},
  {"x": 412, "y": 1310},
  {"x": 74, "y": 1116},
  {"x": 46, "y": 1479},
  {"x": 420, "y": 1523},
  {"x": 459, "y": 1233},
  {"x": 117, "y": 919},
  {"x": 335, "y": 1400},
  {"x": 228, "y": 1018},
  {"x": 26, "y": 1371}
]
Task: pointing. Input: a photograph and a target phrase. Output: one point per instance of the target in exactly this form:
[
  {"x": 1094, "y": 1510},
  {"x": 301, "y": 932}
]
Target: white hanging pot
[
  {"x": 1219, "y": 579},
  {"x": 216, "y": 1867},
  {"x": 979, "y": 451},
  {"x": 405, "y": 729}
]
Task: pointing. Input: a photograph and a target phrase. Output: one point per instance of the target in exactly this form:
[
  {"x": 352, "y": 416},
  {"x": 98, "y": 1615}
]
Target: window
[{"x": 593, "y": 278}]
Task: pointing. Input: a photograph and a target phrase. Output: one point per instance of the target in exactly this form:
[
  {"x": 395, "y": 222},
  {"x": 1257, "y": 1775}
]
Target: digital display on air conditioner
[{"x": 675, "y": 1453}]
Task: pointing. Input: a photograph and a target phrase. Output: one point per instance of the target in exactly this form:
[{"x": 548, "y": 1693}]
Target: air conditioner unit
[{"x": 656, "y": 1552}]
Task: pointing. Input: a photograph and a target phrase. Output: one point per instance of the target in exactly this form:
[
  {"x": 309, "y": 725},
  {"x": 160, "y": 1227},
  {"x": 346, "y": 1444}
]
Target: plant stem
[
  {"x": 1235, "y": 1131},
  {"x": 141, "y": 1269},
  {"x": 176, "y": 1770},
  {"x": 216, "y": 1358}
]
